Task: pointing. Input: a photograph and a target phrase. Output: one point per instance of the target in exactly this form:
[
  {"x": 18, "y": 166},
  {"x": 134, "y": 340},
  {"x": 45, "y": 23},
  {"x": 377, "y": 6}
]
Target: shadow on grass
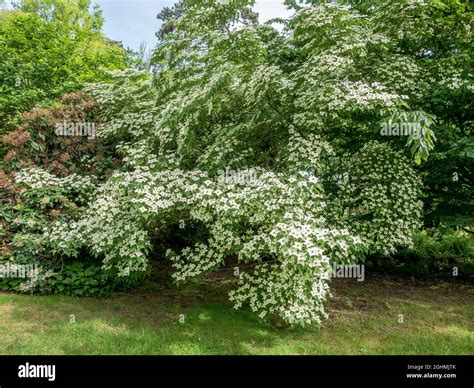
[{"x": 364, "y": 319}]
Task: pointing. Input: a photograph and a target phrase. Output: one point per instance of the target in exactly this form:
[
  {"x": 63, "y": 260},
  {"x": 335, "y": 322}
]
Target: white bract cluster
[{"x": 379, "y": 198}]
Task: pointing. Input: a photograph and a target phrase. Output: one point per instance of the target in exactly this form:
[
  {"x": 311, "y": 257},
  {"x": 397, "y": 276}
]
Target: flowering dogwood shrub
[
  {"x": 276, "y": 223},
  {"x": 279, "y": 108}
]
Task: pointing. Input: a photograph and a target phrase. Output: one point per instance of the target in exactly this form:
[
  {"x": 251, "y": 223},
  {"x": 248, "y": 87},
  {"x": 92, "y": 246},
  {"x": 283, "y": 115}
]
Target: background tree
[{"x": 48, "y": 48}]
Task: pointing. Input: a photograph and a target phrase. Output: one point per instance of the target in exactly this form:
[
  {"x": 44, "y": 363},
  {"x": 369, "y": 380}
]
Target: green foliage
[
  {"x": 77, "y": 278},
  {"x": 80, "y": 161},
  {"x": 168, "y": 17},
  {"x": 436, "y": 36},
  {"x": 431, "y": 257},
  {"x": 11, "y": 284},
  {"x": 48, "y": 48}
]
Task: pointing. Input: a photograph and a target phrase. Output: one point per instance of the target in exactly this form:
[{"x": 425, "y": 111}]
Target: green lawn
[{"x": 364, "y": 319}]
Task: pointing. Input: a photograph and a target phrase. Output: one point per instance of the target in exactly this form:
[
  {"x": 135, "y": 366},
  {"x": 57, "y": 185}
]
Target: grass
[{"x": 364, "y": 319}]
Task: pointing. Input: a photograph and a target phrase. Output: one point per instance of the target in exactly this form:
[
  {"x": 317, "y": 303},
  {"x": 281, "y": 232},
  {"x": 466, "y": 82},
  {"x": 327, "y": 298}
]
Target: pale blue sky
[{"x": 134, "y": 21}]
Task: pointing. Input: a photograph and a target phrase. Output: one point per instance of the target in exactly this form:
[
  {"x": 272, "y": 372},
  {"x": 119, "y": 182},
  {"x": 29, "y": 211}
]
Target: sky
[{"x": 134, "y": 21}]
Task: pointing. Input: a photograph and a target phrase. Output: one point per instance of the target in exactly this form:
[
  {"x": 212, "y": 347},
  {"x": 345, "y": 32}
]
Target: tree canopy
[{"x": 48, "y": 48}]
